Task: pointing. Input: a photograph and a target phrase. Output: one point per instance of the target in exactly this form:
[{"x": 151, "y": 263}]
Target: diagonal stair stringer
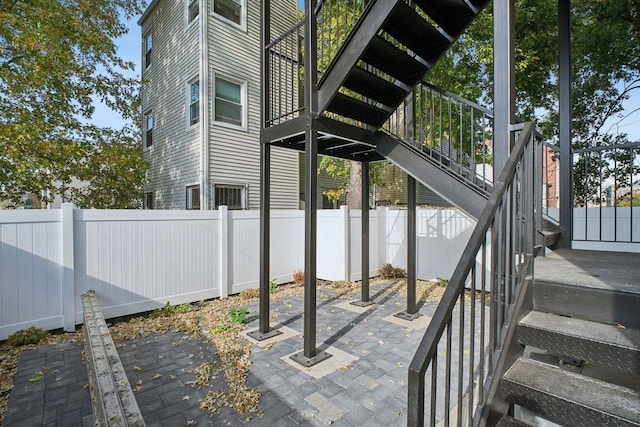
[{"x": 447, "y": 186}]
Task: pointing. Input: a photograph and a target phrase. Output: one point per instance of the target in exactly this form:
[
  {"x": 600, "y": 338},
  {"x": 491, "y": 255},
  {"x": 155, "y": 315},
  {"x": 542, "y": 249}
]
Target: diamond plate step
[
  {"x": 604, "y": 345},
  {"x": 507, "y": 421},
  {"x": 568, "y": 398}
]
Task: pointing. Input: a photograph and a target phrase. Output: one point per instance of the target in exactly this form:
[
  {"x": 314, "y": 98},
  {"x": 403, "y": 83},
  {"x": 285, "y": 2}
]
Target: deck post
[{"x": 411, "y": 313}]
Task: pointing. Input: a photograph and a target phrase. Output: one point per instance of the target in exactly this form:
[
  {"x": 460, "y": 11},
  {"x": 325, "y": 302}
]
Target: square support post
[
  {"x": 364, "y": 287},
  {"x": 566, "y": 160},
  {"x": 310, "y": 354},
  {"x": 411, "y": 312},
  {"x": 504, "y": 83},
  {"x": 264, "y": 330}
]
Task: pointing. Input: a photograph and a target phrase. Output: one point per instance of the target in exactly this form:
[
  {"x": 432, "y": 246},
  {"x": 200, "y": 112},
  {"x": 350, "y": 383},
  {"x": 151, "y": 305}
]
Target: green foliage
[
  {"x": 27, "y": 336},
  {"x": 388, "y": 271},
  {"x": 340, "y": 171},
  {"x": 629, "y": 200},
  {"x": 238, "y": 314},
  {"x": 273, "y": 286},
  {"x": 56, "y": 57}
]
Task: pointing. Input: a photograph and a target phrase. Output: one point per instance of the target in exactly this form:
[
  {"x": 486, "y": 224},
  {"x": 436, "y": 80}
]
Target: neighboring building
[{"x": 201, "y": 105}]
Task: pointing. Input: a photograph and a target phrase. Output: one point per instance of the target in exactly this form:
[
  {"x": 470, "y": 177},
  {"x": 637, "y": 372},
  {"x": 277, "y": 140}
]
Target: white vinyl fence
[{"x": 138, "y": 260}]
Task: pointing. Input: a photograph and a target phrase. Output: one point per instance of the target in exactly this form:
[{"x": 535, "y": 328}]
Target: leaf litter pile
[{"x": 211, "y": 318}]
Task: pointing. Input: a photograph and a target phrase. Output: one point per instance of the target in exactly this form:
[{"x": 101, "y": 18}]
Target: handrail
[{"x": 505, "y": 199}]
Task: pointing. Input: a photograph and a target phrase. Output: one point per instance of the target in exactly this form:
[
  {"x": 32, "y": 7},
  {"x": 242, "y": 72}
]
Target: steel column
[
  {"x": 310, "y": 354},
  {"x": 364, "y": 287},
  {"x": 411, "y": 313},
  {"x": 264, "y": 331},
  {"x": 503, "y": 83},
  {"x": 566, "y": 160}
]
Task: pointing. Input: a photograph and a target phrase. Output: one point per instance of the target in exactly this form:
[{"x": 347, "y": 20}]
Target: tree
[{"x": 56, "y": 58}]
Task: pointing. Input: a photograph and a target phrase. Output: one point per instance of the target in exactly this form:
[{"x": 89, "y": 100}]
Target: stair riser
[
  {"x": 558, "y": 410},
  {"x": 599, "y": 353},
  {"x": 598, "y": 305}
]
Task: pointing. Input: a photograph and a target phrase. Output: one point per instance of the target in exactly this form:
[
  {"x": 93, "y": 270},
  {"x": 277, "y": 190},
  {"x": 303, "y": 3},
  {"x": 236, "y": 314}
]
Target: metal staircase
[{"x": 529, "y": 346}]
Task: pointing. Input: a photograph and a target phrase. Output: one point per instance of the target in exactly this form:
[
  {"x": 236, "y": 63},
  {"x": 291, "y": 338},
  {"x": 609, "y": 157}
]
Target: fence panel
[{"x": 31, "y": 272}]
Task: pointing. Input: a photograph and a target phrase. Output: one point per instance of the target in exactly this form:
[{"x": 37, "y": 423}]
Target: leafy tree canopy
[
  {"x": 605, "y": 63},
  {"x": 56, "y": 58}
]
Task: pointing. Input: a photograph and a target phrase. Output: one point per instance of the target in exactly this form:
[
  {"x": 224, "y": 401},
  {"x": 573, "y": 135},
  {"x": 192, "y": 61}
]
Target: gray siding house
[{"x": 201, "y": 105}]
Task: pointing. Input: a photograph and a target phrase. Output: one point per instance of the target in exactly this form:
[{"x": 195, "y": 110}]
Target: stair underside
[
  {"x": 568, "y": 398},
  {"x": 605, "y": 345}
]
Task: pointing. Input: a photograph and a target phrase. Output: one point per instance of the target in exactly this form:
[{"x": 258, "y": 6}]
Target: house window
[
  {"x": 229, "y": 101},
  {"x": 193, "y": 10},
  {"x": 148, "y": 200},
  {"x": 194, "y": 102},
  {"x": 148, "y": 129},
  {"x": 148, "y": 47},
  {"x": 193, "y": 197},
  {"x": 232, "y": 196},
  {"x": 231, "y": 10}
]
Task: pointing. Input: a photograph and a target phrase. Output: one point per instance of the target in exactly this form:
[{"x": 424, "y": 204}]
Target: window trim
[
  {"x": 147, "y": 52},
  {"x": 243, "y": 102},
  {"x": 145, "y": 202},
  {"x": 243, "y": 15},
  {"x": 189, "y": 199},
  {"x": 146, "y": 130},
  {"x": 187, "y": 5},
  {"x": 190, "y": 82},
  {"x": 244, "y": 202}
]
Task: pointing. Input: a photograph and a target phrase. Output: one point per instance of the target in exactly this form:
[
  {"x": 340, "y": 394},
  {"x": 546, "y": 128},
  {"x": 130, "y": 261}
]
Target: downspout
[{"x": 204, "y": 106}]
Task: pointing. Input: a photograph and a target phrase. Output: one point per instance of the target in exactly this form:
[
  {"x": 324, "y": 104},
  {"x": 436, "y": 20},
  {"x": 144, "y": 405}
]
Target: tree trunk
[{"x": 354, "y": 195}]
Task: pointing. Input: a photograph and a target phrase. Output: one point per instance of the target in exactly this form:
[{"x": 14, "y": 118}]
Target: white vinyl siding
[
  {"x": 175, "y": 158},
  {"x": 235, "y": 154}
]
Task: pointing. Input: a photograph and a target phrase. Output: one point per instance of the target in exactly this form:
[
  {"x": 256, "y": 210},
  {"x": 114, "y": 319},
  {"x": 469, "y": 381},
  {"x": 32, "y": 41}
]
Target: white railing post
[
  {"x": 346, "y": 229},
  {"x": 224, "y": 251},
  {"x": 68, "y": 273}
]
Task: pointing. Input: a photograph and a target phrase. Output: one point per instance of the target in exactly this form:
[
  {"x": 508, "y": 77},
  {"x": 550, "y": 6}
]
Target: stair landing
[{"x": 616, "y": 271}]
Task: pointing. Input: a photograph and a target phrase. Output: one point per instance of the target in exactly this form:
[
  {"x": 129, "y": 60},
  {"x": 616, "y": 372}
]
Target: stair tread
[
  {"x": 507, "y": 421},
  {"x": 406, "y": 26},
  {"x": 452, "y": 15},
  {"x": 353, "y": 108},
  {"x": 584, "y": 329},
  {"x": 374, "y": 87},
  {"x": 391, "y": 60},
  {"x": 550, "y": 389}
]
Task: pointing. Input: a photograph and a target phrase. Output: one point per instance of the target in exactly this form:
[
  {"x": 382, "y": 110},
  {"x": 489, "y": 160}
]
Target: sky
[{"x": 129, "y": 48}]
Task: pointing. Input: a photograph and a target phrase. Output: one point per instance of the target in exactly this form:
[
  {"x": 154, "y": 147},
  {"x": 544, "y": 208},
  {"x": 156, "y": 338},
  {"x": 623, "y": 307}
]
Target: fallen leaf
[{"x": 157, "y": 376}]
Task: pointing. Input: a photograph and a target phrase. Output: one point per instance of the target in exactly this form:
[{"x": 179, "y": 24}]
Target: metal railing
[
  {"x": 455, "y": 363},
  {"x": 606, "y": 193},
  {"x": 285, "y": 77},
  {"x": 455, "y": 133}
]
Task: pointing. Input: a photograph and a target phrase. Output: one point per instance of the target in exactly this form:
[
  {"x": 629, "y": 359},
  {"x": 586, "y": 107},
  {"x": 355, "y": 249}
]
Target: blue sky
[{"x": 129, "y": 48}]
